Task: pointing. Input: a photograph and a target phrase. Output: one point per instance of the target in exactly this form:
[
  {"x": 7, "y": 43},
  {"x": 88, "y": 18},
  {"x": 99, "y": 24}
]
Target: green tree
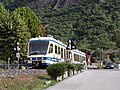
[
  {"x": 4, "y": 18},
  {"x": 12, "y": 30},
  {"x": 20, "y": 33},
  {"x": 31, "y": 20}
]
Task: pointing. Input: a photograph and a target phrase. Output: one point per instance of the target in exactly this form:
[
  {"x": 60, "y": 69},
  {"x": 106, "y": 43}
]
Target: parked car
[{"x": 111, "y": 65}]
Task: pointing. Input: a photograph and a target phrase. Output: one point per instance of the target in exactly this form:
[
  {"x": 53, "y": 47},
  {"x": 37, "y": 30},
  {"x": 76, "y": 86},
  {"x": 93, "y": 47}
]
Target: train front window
[{"x": 38, "y": 47}]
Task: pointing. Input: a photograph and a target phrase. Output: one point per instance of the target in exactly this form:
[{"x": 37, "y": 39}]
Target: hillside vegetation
[
  {"x": 16, "y": 28},
  {"x": 92, "y": 24}
]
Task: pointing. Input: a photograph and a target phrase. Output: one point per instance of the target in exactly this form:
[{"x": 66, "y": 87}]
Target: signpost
[
  {"x": 8, "y": 62},
  {"x": 17, "y": 49},
  {"x": 88, "y": 57}
]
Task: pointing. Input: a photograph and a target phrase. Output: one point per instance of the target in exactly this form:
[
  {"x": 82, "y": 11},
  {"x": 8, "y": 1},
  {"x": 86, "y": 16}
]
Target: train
[{"x": 44, "y": 51}]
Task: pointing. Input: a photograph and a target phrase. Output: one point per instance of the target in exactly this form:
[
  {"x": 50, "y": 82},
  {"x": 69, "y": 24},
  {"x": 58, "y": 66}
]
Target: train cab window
[
  {"x": 51, "y": 48},
  {"x": 55, "y": 49},
  {"x": 59, "y": 50}
]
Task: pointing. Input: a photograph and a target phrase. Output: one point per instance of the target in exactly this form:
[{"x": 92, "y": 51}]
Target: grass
[{"x": 26, "y": 82}]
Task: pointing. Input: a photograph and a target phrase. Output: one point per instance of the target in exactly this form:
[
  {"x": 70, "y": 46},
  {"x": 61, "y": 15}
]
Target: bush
[
  {"x": 56, "y": 70},
  {"x": 2, "y": 62},
  {"x": 73, "y": 66},
  {"x": 79, "y": 67},
  {"x": 70, "y": 67}
]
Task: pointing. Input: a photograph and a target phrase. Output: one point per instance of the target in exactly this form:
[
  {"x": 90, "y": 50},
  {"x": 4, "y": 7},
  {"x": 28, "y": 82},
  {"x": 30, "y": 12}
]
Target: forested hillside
[{"x": 90, "y": 23}]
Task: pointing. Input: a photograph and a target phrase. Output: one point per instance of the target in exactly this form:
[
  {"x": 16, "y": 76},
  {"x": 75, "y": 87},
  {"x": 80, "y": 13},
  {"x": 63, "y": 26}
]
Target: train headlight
[{"x": 42, "y": 58}]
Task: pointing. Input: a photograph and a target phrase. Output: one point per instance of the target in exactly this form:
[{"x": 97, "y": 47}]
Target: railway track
[{"x": 14, "y": 72}]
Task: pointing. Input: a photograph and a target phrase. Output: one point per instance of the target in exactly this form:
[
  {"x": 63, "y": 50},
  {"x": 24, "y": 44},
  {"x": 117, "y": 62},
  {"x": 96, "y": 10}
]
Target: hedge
[{"x": 56, "y": 70}]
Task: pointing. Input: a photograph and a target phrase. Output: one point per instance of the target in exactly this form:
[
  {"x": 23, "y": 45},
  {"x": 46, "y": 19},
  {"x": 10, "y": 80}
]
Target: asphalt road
[{"x": 91, "y": 80}]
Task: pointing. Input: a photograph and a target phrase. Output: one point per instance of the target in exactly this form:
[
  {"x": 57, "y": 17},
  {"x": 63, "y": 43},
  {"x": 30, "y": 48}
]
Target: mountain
[
  {"x": 12, "y": 4},
  {"x": 92, "y": 24}
]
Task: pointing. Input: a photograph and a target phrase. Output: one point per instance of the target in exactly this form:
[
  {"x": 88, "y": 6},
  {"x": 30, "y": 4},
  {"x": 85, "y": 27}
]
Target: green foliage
[
  {"x": 2, "y": 62},
  {"x": 4, "y": 14},
  {"x": 26, "y": 82},
  {"x": 31, "y": 20},
  {"x": 56, "y": 70},
  {"x": 91, "y": 24},
  {"x": 79, "y": 67},
  {"x": 72, "y": 66},
  {"x": 12, "y": 30},
  {"x": 88, "y": 22},
  {"x": 21, "y": 34}
]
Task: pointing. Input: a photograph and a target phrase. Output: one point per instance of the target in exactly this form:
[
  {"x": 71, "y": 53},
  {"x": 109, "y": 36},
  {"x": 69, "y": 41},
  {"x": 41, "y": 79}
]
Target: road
[{"x": 91, "y": 80}]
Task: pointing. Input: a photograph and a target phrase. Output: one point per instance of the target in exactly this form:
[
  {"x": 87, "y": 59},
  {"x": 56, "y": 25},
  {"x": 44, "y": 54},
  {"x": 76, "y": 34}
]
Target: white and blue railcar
[
  {"x": 44, "y": 51},
  {"x": 78, "y": 57}
]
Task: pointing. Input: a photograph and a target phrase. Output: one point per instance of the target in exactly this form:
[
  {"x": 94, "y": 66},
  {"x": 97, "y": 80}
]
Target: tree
[
  {"x": 12, "y": 29},
  {"x": 4, "y": 18},
  {"x": 31, "y": 20},
  {"x": 20, "y": 33}
]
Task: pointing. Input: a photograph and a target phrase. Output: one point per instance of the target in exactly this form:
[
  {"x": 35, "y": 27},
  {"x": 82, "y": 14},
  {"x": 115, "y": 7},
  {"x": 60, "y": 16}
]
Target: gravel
[{"x": 13, "y": 72}]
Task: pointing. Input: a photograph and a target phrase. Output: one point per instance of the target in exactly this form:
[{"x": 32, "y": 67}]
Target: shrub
[
  {"x": 79, "y": 67},
  {"x": 71, "y": 67},
  {"x": 2, "y": 62},
  {"x": 66, "y": 64},
  {"x": 56, "y": 70}
]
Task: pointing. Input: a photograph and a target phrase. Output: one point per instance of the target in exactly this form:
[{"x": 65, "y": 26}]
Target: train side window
[
  {"x": 76, "y": 57},
  {"x": 61, "y": 52},
  {"x": 65, "y": 54},
  {"x": 55, "y": 49},
  {"x": 51, "y": 48}
]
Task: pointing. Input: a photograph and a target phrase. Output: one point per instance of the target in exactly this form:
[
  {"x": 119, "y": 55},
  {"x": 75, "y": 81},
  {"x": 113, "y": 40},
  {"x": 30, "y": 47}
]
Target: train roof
[
  {"x": 80, "y": 52},
  {"x": 49, "y": 39},
  {"x": 56, "y": 41}
]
